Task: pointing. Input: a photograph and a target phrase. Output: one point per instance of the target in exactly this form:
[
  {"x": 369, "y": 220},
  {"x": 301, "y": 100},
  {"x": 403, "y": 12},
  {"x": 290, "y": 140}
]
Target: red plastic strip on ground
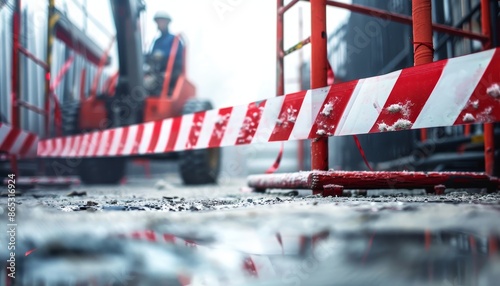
[{"x": 362, "y": 152}]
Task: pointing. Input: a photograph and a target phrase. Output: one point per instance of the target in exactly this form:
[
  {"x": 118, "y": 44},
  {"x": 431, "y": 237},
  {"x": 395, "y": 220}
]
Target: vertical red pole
[
  {"x": 52, "y": 20},
  {"x": 16, "y": 87},
  {"x": 319, "y": 69},
  {"x": 83, "y": 79},
  {"x": 301, "y": 144},
  {"x": 280, "y": 76},
  {"x": 489, "y": 144},
  {"x": 467, "y": 129},
  {"x": 422, "y": 38}
]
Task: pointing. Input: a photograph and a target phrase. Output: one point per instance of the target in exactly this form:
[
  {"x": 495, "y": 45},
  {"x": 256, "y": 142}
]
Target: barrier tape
[
  {"x": 17, "y": 142},
  {"x": 48, "y": 181},
  {"x": 456, "y": 91}
]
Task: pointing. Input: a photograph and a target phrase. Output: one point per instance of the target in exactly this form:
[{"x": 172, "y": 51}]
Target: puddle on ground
[{"x": 391, "y": 244}]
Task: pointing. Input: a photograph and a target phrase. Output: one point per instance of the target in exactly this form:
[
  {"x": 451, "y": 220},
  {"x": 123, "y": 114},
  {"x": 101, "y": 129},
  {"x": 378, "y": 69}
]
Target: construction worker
[
  {"x": 163, "y": 45},
  {"x": 159, "y": 57}
]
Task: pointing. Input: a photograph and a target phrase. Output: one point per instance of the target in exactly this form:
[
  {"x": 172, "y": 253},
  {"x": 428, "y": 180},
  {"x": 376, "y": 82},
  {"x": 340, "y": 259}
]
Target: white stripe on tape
[
  {"x": 234, "y": 125},
  {"x": 93, "y": 144},
  {"x": 18, "y": 144},
  {"x": 211, "y": 118},
  {"x": 457, "y": 82},
  {"x": 166, "y": 128},
  {"x": 130, "y": 140},
  {"x": 104, "y": 143},
  {"x": 184, "y": 130},
  {"x": 146, "y": 137},
  {"x": 4, "y": 131},
  {"x": 117, "y": 141},
  {"x": 268, "y": 119},
  {"x": 361, "y": 112},
  {"x": 311, "y": 106}
]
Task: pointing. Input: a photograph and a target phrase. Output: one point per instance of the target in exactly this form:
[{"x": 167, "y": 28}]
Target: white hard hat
[{"x": 162, "y": 15}]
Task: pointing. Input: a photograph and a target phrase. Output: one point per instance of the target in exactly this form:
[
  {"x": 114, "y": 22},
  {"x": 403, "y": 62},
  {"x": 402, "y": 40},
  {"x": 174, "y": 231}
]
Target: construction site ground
[{"x": 155, "y": 230}]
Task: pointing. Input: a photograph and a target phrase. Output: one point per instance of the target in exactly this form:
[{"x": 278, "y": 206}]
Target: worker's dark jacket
[{"x": 164, "y": 44}]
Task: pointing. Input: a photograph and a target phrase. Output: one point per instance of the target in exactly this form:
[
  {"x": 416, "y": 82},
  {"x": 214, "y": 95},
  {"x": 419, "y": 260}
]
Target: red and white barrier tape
[
  {"x": 456, "y": 91},
  {"x": 17, "y": 142},
  {"x": 46, "y": 181}
]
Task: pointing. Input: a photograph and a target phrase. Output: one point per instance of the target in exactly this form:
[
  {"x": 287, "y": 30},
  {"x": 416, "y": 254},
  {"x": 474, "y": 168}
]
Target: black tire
[
  {"x": 70, "y": 115},
  {"x": 65, "y": 167},
  {"x": 107, "y": 171},
  {"x": 102, "y": 171},
  {"x": 199, "y": 167}
]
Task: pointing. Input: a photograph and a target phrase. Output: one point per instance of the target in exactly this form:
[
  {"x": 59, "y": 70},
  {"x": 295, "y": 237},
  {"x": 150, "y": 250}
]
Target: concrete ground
[{"x": 155, "y": 231}]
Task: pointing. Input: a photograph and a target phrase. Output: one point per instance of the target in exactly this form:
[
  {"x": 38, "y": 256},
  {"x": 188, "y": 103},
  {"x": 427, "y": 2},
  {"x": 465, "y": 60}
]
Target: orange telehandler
[{"x": 128, "y": 100}]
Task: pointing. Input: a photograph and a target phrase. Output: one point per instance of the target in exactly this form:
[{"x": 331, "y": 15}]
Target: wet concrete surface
[{"x": 158, "y": 232}]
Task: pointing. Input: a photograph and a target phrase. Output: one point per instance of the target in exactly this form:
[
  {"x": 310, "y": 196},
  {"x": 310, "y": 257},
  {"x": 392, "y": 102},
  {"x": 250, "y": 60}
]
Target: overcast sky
[{"x": 231, "y": 43}]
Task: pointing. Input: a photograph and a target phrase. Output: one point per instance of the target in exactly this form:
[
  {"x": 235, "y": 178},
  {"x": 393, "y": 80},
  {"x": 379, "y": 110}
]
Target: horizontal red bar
[
  {"x": 318, "y": 180},
  {"x": 31, "y": 107},
  {"x": 33, "y": 58},
  {"x": 287, "y": 7},
  {"x": 404, "y": 19}
]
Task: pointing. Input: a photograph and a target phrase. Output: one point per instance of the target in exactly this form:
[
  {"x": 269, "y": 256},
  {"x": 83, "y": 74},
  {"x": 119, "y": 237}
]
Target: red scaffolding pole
[
  {"x": 489, "y": 142},
  {"x": 52, "y": 20},
  {"x": 280, "y": 76},
  {"x": 422, "y": 38},
  {"x": 16, "y": 87},
  {"x": 319, "y": 69},
  {"x": 301, "y": 145}
]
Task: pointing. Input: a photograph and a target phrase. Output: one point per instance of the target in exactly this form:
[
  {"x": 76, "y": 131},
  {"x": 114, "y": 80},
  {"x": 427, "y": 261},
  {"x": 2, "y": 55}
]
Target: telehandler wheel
[
  {"x": 65, "y": 167},
  {"x": 108, "y": 171},
  {"x": 102, "y": 171},
  {"x": 198, "y": 167}
]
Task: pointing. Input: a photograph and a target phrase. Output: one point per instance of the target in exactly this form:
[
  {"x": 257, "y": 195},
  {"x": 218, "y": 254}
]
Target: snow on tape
[
  {"x": 456, "y": 91},
  {"x": 17, "y": 142}
]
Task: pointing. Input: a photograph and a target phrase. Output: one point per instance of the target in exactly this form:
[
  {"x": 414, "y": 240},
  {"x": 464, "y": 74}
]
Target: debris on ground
[{"x": 77, "y": 194}]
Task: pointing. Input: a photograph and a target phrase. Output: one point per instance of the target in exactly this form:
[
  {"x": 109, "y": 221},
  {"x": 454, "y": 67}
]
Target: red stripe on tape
[
  {"x": 88, "y": 144},
  {"x": 220, "y": 127},
  {"x": 251, "y": 122},
  {"x": 8, "y": 143},
  {"x": 156, "y": 136},
  {"x": 109, "y": 142},
  {"x": 84, "y": 145},
  {"x": 194, "y": 133},
  {"x": 409, "y": 95},
  {"x": 138, "y": 136},
  {"x": 96, "y": 148},
  {"x": 28, "y": 144},
  {"x": 483, "y": 106},
  {"x": 123, "y": 141},
  {"x": 77, "y": 144},
  {"x": 332, "y": 109},
  {"x": 67, "y": 149},
  {"x": 287, "y": 116},
  {"x": 174, "y": 133}
]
